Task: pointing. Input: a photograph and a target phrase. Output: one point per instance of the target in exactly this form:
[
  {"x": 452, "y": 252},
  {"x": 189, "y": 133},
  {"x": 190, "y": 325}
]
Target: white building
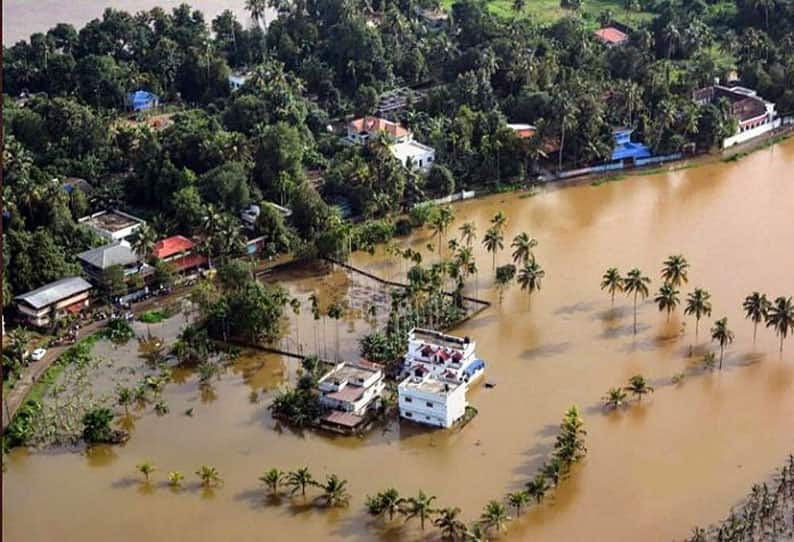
[
  {"x": 754, "y": 115},
  {"x": 112, "y": 225},
  {"x": 438, "y": 369},
  {"x": 401, "y": 140},
  {"x": 350, "y": 391},
  {"x": 430, "y": 400},
  {"x": 237, "y": 80}
]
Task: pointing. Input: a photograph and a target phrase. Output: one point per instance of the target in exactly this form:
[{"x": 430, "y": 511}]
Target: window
[
  {"x": 429, "y": 404},
  {"x": 408, "y": 400},
  {"x": 427, "y": 417},
  {"x": 409, "y": 414}
]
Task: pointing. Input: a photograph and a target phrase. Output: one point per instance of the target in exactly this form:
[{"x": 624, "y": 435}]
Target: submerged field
[{"x": 682, "y": 458}]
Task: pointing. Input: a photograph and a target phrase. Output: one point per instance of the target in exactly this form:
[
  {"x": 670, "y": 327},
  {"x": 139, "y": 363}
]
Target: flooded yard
[{"x": 683, "y": 457}]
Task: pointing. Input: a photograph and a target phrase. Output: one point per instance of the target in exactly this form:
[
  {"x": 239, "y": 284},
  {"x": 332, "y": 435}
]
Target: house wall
[
  {"x": 750, "y": 133},
  {"x": 371, "y": 393},
  {"x": 441, "y": 410},
  {"x": 41, "y": 317}
]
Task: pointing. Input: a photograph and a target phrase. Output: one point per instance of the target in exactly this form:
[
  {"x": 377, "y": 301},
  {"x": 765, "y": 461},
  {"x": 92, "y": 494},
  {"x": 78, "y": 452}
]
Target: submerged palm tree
[
  {"x": 468, "y": 233},
  {"x": 537, "y": 487},
  {"x": 448, "y": 523},
  {"x": 420, "y": 506},
  {"x": 272, "y": 480},
  {"x": 615, "y": 398},
  {"x": 387, "y": 502},
  {"x": 638, "y": 387},
  {"x": 494, "y": 516},
  {"x": 781, "y": 318},
  {"x": 518, "y": 500},
  {"x": 530, "y": 276},
  {"x": 674, "y": 270},
  {"x": 756, "y": 307},
  {"x": 209, "y": 476},
  {"x": 722, "y": 335},
  {"x": 523, "y": 245},
  {"x": 636, "y": 284},
  {"x": 698, "y": 304},
  {"x": 499, "y": 220},
  {"x": 146, "y": 468},
  {"x": 299, "y": 479},
  {"x": 175, "y": 478},
  {"x": 493, "y": 242},
  {"x": 553, "y": 470},
  {"x": 667, "y": 298},
  {"x": 612, "y": 282},
  {"x": 335, "y": 491}
]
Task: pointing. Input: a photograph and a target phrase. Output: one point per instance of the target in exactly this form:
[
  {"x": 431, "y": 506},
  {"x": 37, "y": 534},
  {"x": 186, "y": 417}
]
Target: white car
[{"x": 38, "y": 354}]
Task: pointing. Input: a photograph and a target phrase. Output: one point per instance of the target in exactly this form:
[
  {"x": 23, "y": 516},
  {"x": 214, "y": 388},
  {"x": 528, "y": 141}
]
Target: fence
[
  {"x": 616, "y": 166},
  {"x": 458, "y": 196}
]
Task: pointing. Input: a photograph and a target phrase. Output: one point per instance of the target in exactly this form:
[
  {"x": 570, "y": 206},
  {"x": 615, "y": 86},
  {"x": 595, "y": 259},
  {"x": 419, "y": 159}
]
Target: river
[
  {"x": 684, "y": 456},
  {"x": 21, "y": 18}
]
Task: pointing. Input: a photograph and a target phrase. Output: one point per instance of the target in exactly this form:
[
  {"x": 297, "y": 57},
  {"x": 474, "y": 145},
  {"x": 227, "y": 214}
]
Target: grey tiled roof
[
  {"x": 54, "y": 292},
  {"x": 109, "y": 255}
]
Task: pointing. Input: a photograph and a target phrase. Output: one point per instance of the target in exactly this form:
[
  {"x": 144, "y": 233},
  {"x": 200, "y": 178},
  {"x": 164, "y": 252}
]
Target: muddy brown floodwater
[{"x": 683, "y": 457}]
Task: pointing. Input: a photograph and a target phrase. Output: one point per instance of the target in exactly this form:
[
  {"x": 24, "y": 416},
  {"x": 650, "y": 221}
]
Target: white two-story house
[
  {"x": 349, "y": 391},
  {"x": 411, "y": 153}
]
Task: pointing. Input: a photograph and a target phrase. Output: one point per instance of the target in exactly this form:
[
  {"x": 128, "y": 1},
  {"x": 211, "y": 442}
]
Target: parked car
[{"x": 38, "y": 354}]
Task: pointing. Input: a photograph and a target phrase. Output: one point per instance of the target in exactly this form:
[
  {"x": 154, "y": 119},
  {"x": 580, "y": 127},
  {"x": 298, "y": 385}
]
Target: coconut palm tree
[
  {"x": 530, "y": 276},
  {"x": 335, "y": 491},
  {"x": 781, "y": 318},
  {"x": 299, "y": 479},
  {"x": 636, "y": 284},
  {"x": 537, "y": 487},
  {"x": 175, "y": 479},
  {"x": 504, "y": 276},
  {"x": 615, "y": 398},
  {"x": 709, "y": 360},
  {"x": 448, "y": 523},
  {"x": 420, "y": 506},
  {"x": 674, "y": 270},
  {"x": 523, "y": 245},
  {"x": 146, "y": 468},
  {"x": 258, "y": 11},
  {"x": 499, "y": 220},
  {"x": 144, "y": 242},
  {"x": 698, "y": 304},
  {"x": 468, "y": 233},
  {"x": 493, "y": 242},
  {"x": 336, "y": 312},
  {"x": 494, "y": 516},
  {"x": 722, "y": 335},
  {"x": 387, "y": 502},
  {"x": 638, "y": 387},
  {"x": 612, "y": 282},
  {"x": 518, "y": 500},
  {"x": 209, "y": 476},
  {"x": 272, "y": 480},
  {"x": 295, "y": 305},
  {"x": 553, "y": 470},
  {"x": 756, "y": 307},
  {"x": 667, "y": 298}
]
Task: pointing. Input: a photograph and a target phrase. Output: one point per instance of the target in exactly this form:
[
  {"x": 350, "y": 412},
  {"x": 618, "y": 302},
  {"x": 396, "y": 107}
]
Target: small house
[
  {"x": 179, "y": 251},
  {"x": 142, "y": 100},
  {"x": 58, "y": 299}
]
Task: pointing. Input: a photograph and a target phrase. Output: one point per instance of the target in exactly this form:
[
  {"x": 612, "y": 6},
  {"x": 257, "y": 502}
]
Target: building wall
[
  {"x": 750, "y": 133},
  {"x": 41, "y": 317},
  {"x": 441, "y": 410},
  {"x": 372, "y": 393}
]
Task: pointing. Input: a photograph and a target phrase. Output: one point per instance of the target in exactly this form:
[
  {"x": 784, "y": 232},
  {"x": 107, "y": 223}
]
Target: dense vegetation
[{"x": 320, "y": 61}]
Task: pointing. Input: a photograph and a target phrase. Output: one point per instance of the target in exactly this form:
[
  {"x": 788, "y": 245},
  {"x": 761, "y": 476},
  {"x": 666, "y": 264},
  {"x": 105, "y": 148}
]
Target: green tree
[
  {"x": 615, "y": 398},
  {"x": 638, "y": 387},
  {"x": 386, "y": 502},
  {"x": 420, "y": 506},
  {"x": 494, "y": 516},
  {"x": 523, "y": 245},
  {"x": 780, "y": 317},
  {"x": 504, "y": 276},
  {"x": 96, "y": 426},
  {"x": 493, "y": 243},
  {"x": 335, "y": 491},
  {"x": 144, "y": 242},
  {"x": 175, "y": 478},
  {"x": 636, "y": 284},
  {"x": 612, "y": 282},
  {"x": 675, "y": 270},
  {"x": 667, "y": 299},
  {"x": 468, "y": 233},
  {"x": 518, "y": 500},
  {"x": 537, "y": 487},
  {"x": 146, "y": 468},
  {"x": 272, "y": 480},
  {"x": 698, "y": 304},
  {"x": 722, "y": 335},
  {"x": 756, "y": 308},
  {"x": 299, "y": 479},
  {"x": 530, "y": 276},
  {"x": 451, "y": 527},
  {"x": 209, "y": 476}
]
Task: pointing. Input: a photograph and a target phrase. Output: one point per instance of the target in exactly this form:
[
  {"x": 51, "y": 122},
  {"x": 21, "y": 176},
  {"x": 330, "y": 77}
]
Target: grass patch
[
  {"x": 548, "y": 11},
  {"x": 154, "y": 316},
  {"x": 76, "y": 354}
]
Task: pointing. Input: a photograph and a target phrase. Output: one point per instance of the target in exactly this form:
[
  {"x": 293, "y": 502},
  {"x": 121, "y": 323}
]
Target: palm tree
[
  {"x": 537, "y": 487},
  {"x": 335, "y": 312},
  {"x": 523, "y": 245},
  {"x": 553, "y": 470},
  {"x": 667, "y": 298},
  {"x": 615, "y": 398},
  {"x": 146, "y": 468},
  {"x": 144, "y": 242},
  {"x": 209, "y": 476},
  {"x": 674, "y": 270},
  {"x": 499, "y": 220},
  {"x": 722, "y": 335},
  {"x": 476, "y": 534},
  {"x": 420, "y": 506},
  {"x": 493, "y": 242},
  {"x": 299, "y": 479},
  {"x": 781, "y": 318},
  {"x": 387, "y": 502},
  {"x": 272, "y": 479},
  {"x": 518, "y": 500},
  {"x": 335, "y": 491},
  {"x": 636, "y": 284},
  {"x": 468, "y": 233},
  {"x": 756, "y": 307},
  {"x": 295, "y": 305},
  {"x": 175, "y": 478},
  {"x": 530, "y": 276},
  {"x": 638, "y": 387},
  {"x": 709, "y": 360},
  {"x": 258, "y": 11},
  {"x": 451, "y": 527},
  {"x": 698, "y": 304},
  {"x": 612, "y": 282},
  {"x": 494, "y": 516}
]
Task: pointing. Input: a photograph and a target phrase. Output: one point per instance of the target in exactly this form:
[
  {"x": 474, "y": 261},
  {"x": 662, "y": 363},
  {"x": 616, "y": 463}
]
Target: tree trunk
[{"x": 635, "y": 313}]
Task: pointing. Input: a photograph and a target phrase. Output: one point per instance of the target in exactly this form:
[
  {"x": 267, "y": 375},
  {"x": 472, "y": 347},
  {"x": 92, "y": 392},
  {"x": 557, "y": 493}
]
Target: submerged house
[
  {"x": 754, "y": 115},
  {"x": 351, "y": 392}
]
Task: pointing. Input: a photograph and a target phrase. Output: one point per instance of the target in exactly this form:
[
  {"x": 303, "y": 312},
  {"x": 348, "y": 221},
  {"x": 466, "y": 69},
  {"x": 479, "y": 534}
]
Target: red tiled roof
[
  {"x": 373, "y": 125},
  {"x": 611, "y": 35},
  {"x": 171, "y": 245},
  {"x": 189, "y": 262}
]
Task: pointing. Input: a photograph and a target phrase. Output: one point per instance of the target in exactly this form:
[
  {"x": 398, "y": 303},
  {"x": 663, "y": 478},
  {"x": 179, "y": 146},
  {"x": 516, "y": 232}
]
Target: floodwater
[
  {"x": 21, "y": 18},
  {"x": 683, "y": 457}
]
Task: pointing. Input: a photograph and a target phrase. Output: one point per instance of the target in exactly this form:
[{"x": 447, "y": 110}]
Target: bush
[{"x": 402, "y": 227}]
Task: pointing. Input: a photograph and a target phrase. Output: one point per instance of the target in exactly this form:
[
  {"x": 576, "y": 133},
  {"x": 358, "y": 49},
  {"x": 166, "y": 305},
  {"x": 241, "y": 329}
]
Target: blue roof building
[
  {"x": 625, "y": 148},
  {"x": 141, "y": 100}
]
